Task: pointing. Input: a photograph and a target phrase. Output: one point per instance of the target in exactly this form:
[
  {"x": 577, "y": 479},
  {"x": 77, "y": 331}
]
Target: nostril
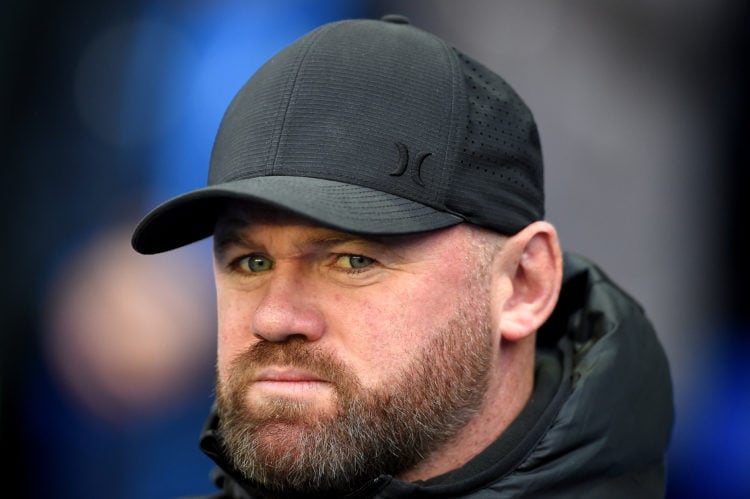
[{"x": 281, "y": 316}]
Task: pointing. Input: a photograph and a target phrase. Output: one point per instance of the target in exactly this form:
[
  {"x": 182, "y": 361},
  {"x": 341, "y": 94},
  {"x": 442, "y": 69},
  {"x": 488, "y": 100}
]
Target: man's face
[{"x": 340, "y": 357}]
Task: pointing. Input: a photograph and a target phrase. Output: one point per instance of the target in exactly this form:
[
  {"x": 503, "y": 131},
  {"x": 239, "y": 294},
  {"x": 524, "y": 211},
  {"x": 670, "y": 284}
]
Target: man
[{"x": 396, "y": 319}]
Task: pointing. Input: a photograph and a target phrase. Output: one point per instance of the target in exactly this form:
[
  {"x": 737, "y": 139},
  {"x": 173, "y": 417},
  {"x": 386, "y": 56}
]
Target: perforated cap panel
[{"x": 499, "y": 182}]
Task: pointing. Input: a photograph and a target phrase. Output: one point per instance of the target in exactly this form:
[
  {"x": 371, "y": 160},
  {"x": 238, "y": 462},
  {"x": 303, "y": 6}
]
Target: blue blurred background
[{"x": 106, "y": 357}]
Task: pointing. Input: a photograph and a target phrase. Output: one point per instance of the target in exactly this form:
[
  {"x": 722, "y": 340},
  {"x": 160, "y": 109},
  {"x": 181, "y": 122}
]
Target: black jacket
[{"x": 597, "y": 424}]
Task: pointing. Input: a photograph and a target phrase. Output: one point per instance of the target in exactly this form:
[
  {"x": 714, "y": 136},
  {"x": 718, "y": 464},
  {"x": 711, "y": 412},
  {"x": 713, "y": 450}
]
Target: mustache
[{"x": 295, "y": 352}]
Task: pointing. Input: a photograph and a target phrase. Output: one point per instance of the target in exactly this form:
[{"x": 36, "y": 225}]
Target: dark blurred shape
[
  {"x": 126, "y": 335},
  {"x": 125, "y": 374},
  {"x": 710, "y": 454},
  {"x": 732, "y": 100}
]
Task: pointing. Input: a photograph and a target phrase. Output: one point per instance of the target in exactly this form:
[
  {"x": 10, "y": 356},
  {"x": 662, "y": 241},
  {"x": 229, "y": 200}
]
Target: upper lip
[{"x": 285, "y": 374}]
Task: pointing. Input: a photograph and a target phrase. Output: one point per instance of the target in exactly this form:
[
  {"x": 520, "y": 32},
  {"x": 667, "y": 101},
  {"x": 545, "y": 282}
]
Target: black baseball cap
[{"x": 369, "y": 127}]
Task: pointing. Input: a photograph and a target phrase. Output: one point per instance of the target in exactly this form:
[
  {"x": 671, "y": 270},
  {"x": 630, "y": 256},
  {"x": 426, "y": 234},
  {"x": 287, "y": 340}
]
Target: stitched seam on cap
[
  {"x": 458, "y": 81},
  {"x": 273, "y": 147}
]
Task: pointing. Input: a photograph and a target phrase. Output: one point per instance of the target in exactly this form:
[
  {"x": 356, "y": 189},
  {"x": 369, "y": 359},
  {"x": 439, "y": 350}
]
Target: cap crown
[{"x": 393, "y": 108}]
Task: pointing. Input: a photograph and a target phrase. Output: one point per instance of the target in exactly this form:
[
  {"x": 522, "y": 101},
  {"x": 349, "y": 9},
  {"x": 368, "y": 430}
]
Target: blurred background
[{"x": 106, "y": 357}]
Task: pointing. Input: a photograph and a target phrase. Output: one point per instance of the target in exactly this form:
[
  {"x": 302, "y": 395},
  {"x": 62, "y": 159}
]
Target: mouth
[{"x": 276, "y": 381}]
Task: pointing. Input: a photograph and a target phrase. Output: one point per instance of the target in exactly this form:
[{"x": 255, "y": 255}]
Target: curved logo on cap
[{"x": 404, "y": 164}]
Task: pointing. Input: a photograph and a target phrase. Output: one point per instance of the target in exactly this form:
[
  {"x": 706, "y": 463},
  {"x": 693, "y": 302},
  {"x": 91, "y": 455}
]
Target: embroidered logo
[{"x": 404, "y": 163}]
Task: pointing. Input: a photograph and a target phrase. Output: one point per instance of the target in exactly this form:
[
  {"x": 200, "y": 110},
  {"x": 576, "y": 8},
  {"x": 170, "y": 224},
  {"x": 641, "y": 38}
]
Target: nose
[{"x": 288, "y": 308}]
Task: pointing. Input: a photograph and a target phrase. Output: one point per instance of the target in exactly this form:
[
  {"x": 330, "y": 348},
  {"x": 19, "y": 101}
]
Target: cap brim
[{"x": 346, "y": 207}]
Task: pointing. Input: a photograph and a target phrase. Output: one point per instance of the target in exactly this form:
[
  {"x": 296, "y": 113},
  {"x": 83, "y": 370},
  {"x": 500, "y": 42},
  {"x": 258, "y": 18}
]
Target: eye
[
  {"x": 254, "y": 263},
  {"x": 354, "y": 261}
]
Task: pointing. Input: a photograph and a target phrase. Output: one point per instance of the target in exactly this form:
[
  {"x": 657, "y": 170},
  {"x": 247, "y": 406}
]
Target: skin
[{"x": 371, "y": 302}]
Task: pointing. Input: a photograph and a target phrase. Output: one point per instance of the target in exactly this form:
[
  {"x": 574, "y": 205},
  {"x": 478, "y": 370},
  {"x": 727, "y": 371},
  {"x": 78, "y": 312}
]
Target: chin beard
[{"x": 287, "y": 447}]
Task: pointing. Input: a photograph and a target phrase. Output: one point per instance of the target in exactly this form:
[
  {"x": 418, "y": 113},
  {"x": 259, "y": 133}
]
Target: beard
[{"x": 287, "y": 447}]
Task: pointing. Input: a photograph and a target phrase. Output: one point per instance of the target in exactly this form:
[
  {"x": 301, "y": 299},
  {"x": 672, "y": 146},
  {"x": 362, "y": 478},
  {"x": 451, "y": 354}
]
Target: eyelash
[
  {"x": 236, "y": 265},
  {"x": 355, "y": 270}
]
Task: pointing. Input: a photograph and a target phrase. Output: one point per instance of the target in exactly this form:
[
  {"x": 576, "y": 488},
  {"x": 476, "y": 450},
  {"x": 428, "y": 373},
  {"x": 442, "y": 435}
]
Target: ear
[{"x": 531, "y": 270}]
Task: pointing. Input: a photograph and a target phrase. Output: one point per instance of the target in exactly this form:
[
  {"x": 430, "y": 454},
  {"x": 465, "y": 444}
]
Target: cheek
[
  {"x": 234, "y": 330},
  {"x": 384, "y": 330}
]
